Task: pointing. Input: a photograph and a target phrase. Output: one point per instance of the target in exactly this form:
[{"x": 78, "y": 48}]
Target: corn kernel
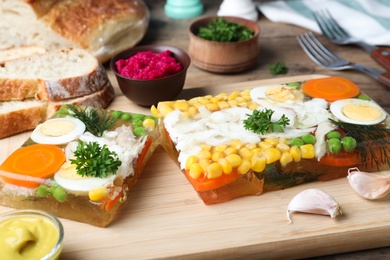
[
  {"x": 234, "y": 94},
  {"x": 251, "y": 146},
  {"x": 283, "y": 140},
  {"x": 240, "y": 99},
  {"x": 192, "y": 110},
  {"x": 154, "y": 111},
  {"x": 282, "y": 147},
  {"x": 195, "y": 171},
  {"x": 203, "y": 100},
  {"x": 98, "y": 194},
  {"x": 220, "y": 148},
  {"x": 204, "y": 163},
  {"x": 234, "y": 159},
  {"x": 253, "y": 105},
  {"x": 243, "y": 104},
  {"x": 286, "y": 158},
  {"x": 205, "y": 147},
  {"x": 197, "y": 105},
  {"x": 256, "y": 150},
  {"x": 222, "y": 96},
  {"x": 245, "y": 153},
  {"x": 236, "y": 144},
  {"x": 233, "y": 103},
  {"x": 180, "y": 105},
  {"x": 307, "y": 151},
  {"x": 164, "y": 109},
  {"x": 204, "y": 154},
  {"x": 214, "y": 170},
  {"x": 230, "y": 150},
  {"x": 258, "y": 163},
  {"x": 212, "y": 107},
  {"x": 272, "y": 155},
  {"x": 148, "y": 122},
  {"x": 226, "y": 166},
  {"x": 271, "y": 141},
  {"x": 216, "y": 156},
  {"x": 264, "y": 145},
  {"x": 214, "y": 100},
  {"x": 223, "y": 105},
  {"x": 296, "y": 153},
  {"x": 190, "y": 160},
  {"x": 244, "y": 167}
]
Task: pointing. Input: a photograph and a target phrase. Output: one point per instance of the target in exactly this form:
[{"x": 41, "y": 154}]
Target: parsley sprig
[
  {"x": 94, "y": 160},
  {"x": 278, "y": 68},
  {"x": 260, "y": 122},
  {"x": 220, "y": 30}
]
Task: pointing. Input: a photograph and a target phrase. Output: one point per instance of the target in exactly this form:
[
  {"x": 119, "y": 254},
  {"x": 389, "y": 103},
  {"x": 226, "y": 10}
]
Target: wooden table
[{"x": 277, "y": 43}]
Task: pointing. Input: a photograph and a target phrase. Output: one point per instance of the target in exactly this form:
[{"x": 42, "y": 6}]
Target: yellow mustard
[{"x": 27, "y": 238}]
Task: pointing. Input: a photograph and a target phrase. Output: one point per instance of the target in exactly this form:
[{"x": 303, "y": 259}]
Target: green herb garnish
[
  {"x": 278, "y": 68},
  {"x": 373, "y": 141},
  {"x": 95, "y": 160},
  {"x": 220, "y": 30},
  {"x": 96, "y": 123},
  {"x": 260, "y": 122}
]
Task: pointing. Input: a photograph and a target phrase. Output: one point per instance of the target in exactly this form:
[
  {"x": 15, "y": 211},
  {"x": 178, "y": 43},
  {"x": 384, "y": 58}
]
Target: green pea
[
  {"x": 364, "y": 97},
  {"x": 43, "y": 191},
  {"x": 137, "y": 122},
  {"x": 333, "y": 134},
  {"x": 334, "y": 145},
  {"x": 126, "y": 116},
  {"x": 296, "y": 142},
  {"x": 138, "y": 116},
  {"x": 60, "y": 194},
  {"x": 349, "y": 143},
  {"x": 117, "y": 114},
  {"x": 140, "y": 131},
  {"x": 294, "y": 84},
  {"x": 308, "y": 139}
]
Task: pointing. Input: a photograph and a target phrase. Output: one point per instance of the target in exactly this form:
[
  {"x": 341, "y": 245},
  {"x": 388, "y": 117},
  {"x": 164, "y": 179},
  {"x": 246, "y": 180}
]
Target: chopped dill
[{"x": 373, "y": 141}]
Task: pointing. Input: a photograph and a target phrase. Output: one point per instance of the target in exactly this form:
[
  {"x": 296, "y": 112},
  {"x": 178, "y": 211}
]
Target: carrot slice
[
  {"x": 341, "y": 159},
  {"x": 205, "y": 184},
  {"x": 331, "y": 88},
  {"x": 40, "y": 161}
]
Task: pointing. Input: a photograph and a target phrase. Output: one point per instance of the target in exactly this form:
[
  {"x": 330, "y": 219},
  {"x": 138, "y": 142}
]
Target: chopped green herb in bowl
[{"x": 221, "y": 30}]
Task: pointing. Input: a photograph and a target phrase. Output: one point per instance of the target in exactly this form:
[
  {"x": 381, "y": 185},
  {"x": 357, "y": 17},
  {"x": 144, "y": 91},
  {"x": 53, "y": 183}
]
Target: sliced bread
[
  {"x": 19, "y": 52},
  {"x": 56, "y": 75},
  {"x": 20, "y": 116}
]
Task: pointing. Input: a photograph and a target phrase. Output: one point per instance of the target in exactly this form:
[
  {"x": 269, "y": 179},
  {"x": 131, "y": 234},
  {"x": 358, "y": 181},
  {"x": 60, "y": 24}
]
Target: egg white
[
  {"x": 337, "y": 107},
  {"x": 39, "y": 137},
  {"x": 259, "y": 95}
]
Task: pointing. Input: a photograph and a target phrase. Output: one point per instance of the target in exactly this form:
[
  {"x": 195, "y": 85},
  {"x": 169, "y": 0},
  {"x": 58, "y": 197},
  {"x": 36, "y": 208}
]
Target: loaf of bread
[
  {"x": 33, "y": 88},
  {"x": 101, "y": 27}
]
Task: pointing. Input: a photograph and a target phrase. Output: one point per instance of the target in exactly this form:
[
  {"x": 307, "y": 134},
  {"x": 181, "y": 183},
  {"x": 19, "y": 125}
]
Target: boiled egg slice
[
  {"x": 358, "y": 111},
  {"x": 276, "y": 93},
  {"x": 67, "y": 178},
  {"x": 58, "y": 131}
]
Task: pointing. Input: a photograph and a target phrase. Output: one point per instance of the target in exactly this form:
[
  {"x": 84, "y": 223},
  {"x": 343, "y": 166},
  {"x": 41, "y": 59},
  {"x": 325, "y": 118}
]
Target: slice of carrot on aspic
[
  {"x": 29, "y": 166},
  {"x": 330, "y": 88}
]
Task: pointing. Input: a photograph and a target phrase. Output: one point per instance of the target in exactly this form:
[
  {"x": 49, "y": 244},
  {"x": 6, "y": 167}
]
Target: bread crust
[
  {"x": 22, "y": 120},
  {"x": 99, "y": 26}
]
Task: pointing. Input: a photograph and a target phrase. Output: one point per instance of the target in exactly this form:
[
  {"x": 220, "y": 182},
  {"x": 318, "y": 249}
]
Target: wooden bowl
[{"x": 223, "y": 57}]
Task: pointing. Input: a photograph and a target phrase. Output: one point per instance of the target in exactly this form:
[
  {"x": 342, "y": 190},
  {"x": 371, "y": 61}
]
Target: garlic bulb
[
  {"x": 369, "y": 185},
  {"x": 314, "y": 201}
]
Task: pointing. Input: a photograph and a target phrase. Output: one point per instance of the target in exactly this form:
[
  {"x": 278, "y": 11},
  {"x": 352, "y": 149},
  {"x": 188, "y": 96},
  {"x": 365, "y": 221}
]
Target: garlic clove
[
  {"x": 369, "y": 185},
  {"x": 314, "y": 201}
]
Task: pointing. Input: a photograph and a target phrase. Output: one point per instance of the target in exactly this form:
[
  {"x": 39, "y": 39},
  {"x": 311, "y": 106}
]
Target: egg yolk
[
  {"x": 57, "y": 128},
  {"x": 360, "y": 112},
  {"x": 284, "y": 93}
]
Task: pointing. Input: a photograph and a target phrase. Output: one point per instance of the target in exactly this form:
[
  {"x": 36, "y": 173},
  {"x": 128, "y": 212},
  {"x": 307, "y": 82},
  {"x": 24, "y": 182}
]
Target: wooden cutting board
[{"x": 164, "y": 218}]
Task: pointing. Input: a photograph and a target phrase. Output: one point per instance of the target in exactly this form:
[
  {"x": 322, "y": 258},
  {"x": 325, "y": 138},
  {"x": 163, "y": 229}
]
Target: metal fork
[
  {"x": 336, "y": 34},
  {"x": 324, "y": 57}
]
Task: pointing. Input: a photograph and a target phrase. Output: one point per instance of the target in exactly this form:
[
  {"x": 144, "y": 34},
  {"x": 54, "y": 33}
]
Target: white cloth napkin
[{"x": 367, "y": 20}]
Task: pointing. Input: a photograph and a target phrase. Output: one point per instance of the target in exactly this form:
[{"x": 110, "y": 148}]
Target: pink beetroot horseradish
[{"x": 149, "y": 65}]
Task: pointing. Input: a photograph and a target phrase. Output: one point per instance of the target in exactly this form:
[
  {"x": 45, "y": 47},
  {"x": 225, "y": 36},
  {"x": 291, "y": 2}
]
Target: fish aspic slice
[
  {"x": 81, "y": 164},
  {"x": 273, "y": 137}
]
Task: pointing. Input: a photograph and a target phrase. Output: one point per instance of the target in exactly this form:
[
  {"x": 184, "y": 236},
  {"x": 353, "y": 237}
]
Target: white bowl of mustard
[{"x": 30, "y": 234}]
